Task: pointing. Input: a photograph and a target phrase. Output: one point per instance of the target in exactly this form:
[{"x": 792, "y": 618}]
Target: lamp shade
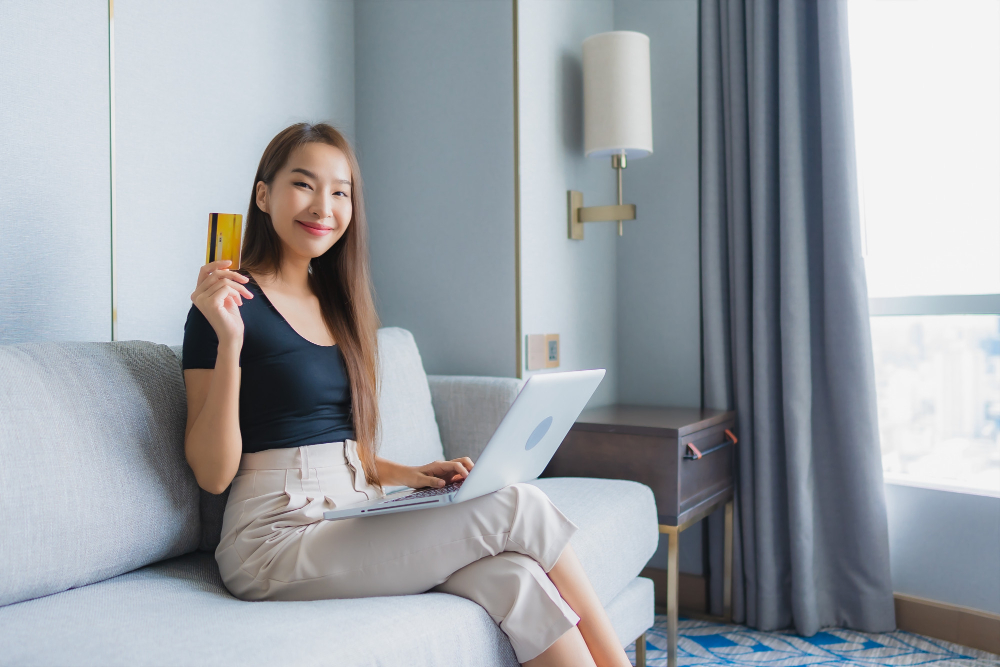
[{"x": 617, "y": 103}]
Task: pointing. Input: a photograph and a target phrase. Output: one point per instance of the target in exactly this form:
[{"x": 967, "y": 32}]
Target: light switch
[{"x": 552, "y": 350}]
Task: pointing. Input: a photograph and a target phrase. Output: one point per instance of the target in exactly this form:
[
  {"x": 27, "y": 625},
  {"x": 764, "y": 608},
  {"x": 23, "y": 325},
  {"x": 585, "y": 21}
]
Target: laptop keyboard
[{"x": 431, "y": 491}]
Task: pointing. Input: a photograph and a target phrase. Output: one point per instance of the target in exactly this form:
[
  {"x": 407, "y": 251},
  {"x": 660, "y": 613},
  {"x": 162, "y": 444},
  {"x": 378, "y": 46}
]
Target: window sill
[{"x": 897, "y": 479}]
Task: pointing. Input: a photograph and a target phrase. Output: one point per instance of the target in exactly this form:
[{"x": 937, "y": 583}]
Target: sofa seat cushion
[
  {"x": 618, "y": 527},
  {"x": 177, "y": 611}
]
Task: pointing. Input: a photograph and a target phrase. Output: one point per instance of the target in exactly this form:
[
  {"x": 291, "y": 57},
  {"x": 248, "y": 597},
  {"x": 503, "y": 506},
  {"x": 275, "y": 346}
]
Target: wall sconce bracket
[{"x": 579, "y": 214}]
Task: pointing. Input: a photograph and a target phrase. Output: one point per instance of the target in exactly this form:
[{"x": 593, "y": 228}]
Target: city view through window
[{"x": 926, "y": 88}]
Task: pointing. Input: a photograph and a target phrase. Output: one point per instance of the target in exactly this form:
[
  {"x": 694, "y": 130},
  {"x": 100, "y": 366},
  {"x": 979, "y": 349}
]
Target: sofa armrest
[{"x": 468, "y": 409}]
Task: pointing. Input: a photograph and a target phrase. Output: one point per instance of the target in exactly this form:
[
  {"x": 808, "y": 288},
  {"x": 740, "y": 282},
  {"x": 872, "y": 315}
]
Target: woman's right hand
[{"x": 218, "y": 296}]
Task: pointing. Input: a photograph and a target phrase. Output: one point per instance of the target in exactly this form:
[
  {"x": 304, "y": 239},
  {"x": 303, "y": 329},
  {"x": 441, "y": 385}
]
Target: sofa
[{"x": 107, "y": 542}]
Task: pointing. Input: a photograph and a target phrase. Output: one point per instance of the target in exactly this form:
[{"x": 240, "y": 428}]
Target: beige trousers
[{"x": 494, "y": 550}]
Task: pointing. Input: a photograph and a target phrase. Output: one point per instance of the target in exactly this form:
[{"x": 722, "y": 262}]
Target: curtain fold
[{"x": 786, "y": 339}]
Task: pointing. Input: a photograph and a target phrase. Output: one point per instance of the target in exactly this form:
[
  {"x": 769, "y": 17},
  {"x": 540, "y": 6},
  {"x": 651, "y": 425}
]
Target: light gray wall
[
  {"x": 659, "y": 335},
  {"x": 567, "y": 286},
  {"x": 201, "y": 88},
  {"x": 435, "y": 130},
  {"x": 945, "y": 546},
  {"x": 55, "y": 172},
  {"x": 658, "y": 264}
]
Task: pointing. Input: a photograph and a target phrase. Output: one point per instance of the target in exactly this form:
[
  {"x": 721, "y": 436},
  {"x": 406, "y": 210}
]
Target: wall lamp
[{"x": 617, "y": 116}]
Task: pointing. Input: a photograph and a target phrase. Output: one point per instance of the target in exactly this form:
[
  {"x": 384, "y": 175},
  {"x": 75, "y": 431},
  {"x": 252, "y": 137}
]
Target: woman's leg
[
  {"x": 570, "y": 649},
  {"x": 278, "y": 556},
  {"x": 519, "y": 597},
  {"x": 594, "y": 627}
]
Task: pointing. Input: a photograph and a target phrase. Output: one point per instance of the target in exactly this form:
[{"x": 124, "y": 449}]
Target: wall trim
[
  {"x": 692, "y": 591},
  {"x": 950, "y": 622},
  {"x": 519, "y": 371},
  {"x": 111, "y": 121}
]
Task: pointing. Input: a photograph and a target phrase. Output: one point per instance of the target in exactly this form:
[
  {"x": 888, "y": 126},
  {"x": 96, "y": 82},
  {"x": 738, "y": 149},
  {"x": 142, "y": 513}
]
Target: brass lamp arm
[{"x": 579, "y": 214}]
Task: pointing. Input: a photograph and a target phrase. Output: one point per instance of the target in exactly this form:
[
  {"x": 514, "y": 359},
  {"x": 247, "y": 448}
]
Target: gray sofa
[{"x": 107, "y": 542}]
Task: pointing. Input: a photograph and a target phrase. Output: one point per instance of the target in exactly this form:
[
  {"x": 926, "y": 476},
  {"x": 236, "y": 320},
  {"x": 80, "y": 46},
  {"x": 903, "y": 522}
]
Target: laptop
[{"x": 520, "y": 448}]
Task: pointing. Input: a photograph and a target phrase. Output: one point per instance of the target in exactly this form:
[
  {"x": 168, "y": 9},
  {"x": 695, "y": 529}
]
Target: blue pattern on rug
[{"x": 708, "y": 644}]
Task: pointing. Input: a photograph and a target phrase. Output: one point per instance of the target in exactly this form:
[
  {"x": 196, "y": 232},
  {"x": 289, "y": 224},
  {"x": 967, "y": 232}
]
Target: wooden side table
[{"x": 685, "y": 455}]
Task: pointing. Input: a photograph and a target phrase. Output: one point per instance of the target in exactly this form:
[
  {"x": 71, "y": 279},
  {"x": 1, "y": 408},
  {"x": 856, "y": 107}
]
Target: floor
[{"x": 707, "y": 643}]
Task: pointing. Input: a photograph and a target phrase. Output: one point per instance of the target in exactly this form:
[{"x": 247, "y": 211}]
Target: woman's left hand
[{"x": 439, "y": 473}]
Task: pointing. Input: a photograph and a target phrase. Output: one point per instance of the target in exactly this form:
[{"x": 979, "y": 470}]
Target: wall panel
[
  {"x": 201, "y": 88},
  {"x": 435, "y": 117},
  {"x": 55, "y": 183}
]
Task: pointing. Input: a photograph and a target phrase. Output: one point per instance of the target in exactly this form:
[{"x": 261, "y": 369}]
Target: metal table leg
[
  {"x": 672, "y": 533},
  {"x": 727, "y": 567},
  {"x": 673, "y": 536}
]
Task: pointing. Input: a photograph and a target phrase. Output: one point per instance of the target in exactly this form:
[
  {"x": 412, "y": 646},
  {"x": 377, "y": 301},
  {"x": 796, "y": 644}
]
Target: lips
[{"x": 317, "y": 230}]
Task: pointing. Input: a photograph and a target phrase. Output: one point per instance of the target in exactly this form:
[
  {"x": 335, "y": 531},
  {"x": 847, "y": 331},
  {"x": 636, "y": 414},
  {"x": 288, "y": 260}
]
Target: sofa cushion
[
  {"x": 93, "y": 481},
  {"x": 409, "y": 431},
  {"x": 179, "y": 612},
  {"x": 468, "y": 409}
]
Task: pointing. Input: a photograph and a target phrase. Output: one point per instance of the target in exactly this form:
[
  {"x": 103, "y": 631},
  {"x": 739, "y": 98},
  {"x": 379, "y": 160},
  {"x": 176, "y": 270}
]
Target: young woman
[{"x": 280, "y": 363}]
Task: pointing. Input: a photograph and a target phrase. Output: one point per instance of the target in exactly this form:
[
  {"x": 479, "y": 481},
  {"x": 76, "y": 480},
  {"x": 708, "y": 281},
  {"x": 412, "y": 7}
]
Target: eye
[
  {"x": 341, "y": 192},
  {"x": 300, "y": 183}
]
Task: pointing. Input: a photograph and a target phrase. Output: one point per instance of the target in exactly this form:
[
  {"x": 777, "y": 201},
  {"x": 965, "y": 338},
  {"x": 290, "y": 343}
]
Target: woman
[{"x": 285, "y": 408}]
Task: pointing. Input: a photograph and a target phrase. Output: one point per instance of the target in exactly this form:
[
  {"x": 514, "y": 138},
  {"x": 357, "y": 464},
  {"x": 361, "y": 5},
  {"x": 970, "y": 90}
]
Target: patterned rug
[{"x": 710, "y": 644}]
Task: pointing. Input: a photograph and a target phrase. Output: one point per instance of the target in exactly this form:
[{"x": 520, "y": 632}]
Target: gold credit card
[{"x": 224, "y": 238}]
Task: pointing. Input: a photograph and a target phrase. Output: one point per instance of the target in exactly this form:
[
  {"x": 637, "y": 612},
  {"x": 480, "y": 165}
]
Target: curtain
[{"x": 786, "y": 340}]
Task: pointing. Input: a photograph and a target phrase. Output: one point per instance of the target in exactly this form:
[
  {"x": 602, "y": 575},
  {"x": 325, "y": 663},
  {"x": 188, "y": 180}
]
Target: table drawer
[
  {"x": 703, "y": 478},
  {"x": 654, "y": 457}
]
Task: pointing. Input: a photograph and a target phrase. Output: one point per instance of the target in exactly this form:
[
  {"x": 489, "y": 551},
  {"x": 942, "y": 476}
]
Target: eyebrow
[{"x": 312, "y": 175}]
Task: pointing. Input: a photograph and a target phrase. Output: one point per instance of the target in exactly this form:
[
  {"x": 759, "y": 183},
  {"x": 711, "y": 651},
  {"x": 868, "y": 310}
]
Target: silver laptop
[{"x": 523, "y": 444}]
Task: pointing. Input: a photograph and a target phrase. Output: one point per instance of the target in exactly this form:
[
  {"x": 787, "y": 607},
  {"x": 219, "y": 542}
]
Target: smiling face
[{"x": 309, "y": 199}]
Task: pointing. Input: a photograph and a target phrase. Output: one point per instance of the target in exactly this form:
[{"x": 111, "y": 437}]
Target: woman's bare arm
[
  {"x": 436, "y": 473},
  {"x": 213, "y": 443}
]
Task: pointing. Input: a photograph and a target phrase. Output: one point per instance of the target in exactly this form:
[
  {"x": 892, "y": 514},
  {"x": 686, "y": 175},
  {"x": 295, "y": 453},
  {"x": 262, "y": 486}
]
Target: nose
[{"x": 322, "y": 205}]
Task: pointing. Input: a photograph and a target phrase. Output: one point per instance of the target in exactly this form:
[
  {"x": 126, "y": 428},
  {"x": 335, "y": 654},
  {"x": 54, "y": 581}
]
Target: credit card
[{"x": 225, "y": 231}]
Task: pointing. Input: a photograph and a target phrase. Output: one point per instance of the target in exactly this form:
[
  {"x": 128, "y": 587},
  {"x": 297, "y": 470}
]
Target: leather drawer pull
[{"x": 694, "y": 453}]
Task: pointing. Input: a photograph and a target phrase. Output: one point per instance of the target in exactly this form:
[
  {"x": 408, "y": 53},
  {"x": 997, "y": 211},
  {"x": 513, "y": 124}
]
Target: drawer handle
[{"x": 694, "y": 453}]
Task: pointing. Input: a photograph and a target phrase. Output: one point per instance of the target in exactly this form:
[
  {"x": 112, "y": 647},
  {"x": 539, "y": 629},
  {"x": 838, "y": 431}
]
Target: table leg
[
  {"x": 727, "y": 568},
  {"x": 672, "y": 565},
  {"x": 640, "y": 651}
]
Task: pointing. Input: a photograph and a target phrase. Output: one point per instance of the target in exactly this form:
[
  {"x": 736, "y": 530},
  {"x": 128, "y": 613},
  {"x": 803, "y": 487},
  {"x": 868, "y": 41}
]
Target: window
[{"x": 926, "y": 77}]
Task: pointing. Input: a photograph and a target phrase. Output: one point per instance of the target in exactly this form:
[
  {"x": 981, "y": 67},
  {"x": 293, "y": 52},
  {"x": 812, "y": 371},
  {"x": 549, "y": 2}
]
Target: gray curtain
[{"x": 786, "y": 338}]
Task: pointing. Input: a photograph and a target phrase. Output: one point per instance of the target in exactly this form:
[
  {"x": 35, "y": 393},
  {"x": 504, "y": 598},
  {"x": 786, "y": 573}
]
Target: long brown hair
[{"x": 340, "y": 278}]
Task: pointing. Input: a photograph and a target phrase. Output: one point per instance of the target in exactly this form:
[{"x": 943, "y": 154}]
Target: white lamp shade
[{"x": 617, "y": 103}]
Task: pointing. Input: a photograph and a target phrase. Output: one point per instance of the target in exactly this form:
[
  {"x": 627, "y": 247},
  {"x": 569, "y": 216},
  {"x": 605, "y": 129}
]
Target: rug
[{"x": 709, "y": 644}]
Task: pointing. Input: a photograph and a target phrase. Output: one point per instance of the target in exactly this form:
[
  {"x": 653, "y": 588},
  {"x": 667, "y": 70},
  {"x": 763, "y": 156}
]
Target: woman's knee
[
  {"x": 498, "y": 582},
  {"x": 529, "y": 494}
]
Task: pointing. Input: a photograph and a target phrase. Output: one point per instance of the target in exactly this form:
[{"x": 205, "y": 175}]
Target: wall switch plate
[
  {"x": 543, "y": 351},
  {"x": 552, "y": 350}
]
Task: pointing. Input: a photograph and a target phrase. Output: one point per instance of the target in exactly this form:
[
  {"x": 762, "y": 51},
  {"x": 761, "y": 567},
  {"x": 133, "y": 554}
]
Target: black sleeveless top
[{"x": 292, "y": 392}]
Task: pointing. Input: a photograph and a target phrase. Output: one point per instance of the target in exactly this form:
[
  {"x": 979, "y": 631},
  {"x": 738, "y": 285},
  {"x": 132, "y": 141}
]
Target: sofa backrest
[
  {"x": 93, "y": 479},
  {"x": 409, "y": 431}
]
